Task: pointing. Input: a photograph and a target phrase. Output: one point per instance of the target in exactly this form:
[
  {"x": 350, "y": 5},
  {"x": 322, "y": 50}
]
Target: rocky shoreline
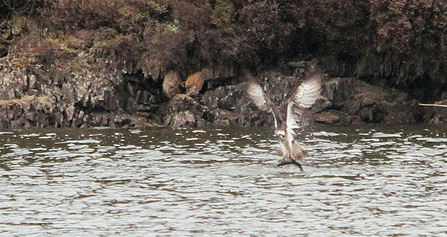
[
  {"x": 26, "y": 102},
  {"x": 143, "y": 63}
]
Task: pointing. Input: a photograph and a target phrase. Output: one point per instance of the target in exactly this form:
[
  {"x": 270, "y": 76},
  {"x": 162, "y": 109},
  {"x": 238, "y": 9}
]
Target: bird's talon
[{"x": 291, "y": 162}]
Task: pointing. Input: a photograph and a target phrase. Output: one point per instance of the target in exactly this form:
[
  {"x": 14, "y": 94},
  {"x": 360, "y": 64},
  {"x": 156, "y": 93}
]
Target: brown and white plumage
[
  {"x": 258, "y": 97},
  {"x": 303, "y": 97}
]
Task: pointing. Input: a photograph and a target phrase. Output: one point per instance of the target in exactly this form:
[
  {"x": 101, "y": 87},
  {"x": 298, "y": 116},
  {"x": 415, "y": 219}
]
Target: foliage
[
  {"x": 402, "y": 40},
  {"x": 403, "y": 25},
  {"x": 8, "y": 7},
  {"x": 410, "y": 41}
]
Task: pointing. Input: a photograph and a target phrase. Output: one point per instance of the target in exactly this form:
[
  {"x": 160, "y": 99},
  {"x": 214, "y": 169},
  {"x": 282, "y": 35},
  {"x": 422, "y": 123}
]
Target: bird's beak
[{"x": 279, "y": 136}]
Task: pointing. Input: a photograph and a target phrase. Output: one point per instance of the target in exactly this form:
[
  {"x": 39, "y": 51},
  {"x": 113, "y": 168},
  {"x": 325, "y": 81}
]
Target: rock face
[
  {"x": 107, "y": 63},
  {"x": 369, "y": 104},
  {"x": 436, "y": 113},
  {"x": 183, "y": 111},
  {"x": 27, "y": 112},
  {"x": 76, "y": 96},
  {"x": 98, "y": 61},
  {"x": 82, "y": 96}
]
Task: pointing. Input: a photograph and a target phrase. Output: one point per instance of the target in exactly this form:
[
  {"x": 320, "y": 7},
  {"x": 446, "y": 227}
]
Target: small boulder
[
  {"x": 183, "y": 119},
  {"x": 327, "y": 118},
  {"x": 435, "y": 113},
  {"x": 179, "y": 110},
  {"x": 336, "y": 117},
  {"x": 373, "y": 104}
]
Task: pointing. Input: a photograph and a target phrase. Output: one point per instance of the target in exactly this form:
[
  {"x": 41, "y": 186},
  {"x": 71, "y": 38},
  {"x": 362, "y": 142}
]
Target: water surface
[{"x": 365, "y": 181}]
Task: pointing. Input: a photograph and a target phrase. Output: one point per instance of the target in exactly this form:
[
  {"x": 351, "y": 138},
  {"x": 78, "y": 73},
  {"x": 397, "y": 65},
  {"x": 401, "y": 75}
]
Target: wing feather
[
  {"x": 308, "y": 92},
  {"x": 304, "y": 97},
  {"x": 258, "y": 97},
  {"x": 256, "y": 94},
  {"x": 291, "y": 120}
]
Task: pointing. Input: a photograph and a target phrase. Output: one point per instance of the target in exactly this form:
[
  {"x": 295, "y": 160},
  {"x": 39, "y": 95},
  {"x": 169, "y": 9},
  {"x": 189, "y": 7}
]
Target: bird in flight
[{"x": 302, "y": 98}]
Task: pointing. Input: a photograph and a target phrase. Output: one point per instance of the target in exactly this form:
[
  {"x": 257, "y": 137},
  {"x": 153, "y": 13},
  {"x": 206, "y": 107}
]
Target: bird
[{"x": 303, "y": 97}]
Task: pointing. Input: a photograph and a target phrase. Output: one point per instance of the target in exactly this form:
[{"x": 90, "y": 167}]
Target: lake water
[{"x": 365, "y": 181}]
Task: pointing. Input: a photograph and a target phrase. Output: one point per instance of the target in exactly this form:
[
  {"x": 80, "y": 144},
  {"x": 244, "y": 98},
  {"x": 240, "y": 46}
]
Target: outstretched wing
[
  {"x": 293, "y": 118},
  {"x": 308, "y": 92},
  {"x": 304, "y": 97},
  {"x": 257, "y": 95}
]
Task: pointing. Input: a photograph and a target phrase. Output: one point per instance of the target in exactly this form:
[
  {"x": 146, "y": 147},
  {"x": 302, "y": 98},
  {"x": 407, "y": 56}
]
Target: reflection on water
[{"x": 107, "y": 182}]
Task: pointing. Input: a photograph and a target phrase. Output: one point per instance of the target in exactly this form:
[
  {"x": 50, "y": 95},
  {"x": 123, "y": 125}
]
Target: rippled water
[{"x": 372, "y": 181}]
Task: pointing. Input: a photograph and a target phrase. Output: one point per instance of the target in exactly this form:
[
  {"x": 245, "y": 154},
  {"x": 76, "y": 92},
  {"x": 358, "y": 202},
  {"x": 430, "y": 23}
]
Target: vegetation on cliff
[{"x": 91, "y": 47}]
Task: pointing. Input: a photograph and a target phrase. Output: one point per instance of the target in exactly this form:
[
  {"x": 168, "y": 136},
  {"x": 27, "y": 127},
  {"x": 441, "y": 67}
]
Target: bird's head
[{"x": 281, "y": 134}]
